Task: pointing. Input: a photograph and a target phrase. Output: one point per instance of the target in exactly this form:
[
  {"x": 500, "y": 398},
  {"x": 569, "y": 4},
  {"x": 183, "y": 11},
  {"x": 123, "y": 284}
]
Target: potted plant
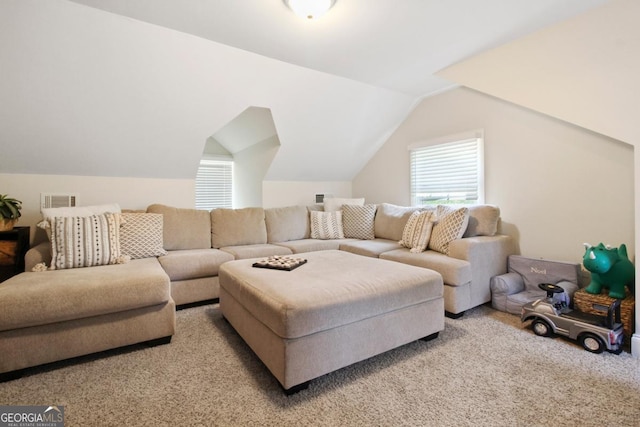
[{"x": 9, "y": 212}]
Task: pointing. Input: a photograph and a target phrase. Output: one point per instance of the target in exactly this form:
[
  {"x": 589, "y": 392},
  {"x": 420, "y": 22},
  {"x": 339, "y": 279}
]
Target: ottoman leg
[
  {"x": 296, "y": 388},
  {"x": 430, "y": 337},
  {"x": 454, "y": 315}
]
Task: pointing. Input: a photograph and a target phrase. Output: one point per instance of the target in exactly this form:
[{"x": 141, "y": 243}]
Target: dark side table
[{"x": 14, "y": 244}]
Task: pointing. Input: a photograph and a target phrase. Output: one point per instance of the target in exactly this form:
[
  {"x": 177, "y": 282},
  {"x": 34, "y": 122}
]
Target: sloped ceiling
[
  {"x": 584, "y": 70},
  {"x": 251, "y": 127},
  {"x": 87, "y": 92}
]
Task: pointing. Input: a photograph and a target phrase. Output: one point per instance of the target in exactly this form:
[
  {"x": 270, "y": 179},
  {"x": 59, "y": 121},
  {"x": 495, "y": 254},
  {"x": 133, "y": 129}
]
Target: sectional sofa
[{"x": 95, "y": 309}]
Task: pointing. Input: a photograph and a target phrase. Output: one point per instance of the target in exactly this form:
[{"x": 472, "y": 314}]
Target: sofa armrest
[
  {"x": 487, "y": 256},
  {"x": 36, "y": 255},
  {"x": 507, "y": 284}
]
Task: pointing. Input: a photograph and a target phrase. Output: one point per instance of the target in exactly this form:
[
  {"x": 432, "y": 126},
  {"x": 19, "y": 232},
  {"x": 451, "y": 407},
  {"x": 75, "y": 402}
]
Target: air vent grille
[{"x": 48, "y": 200}]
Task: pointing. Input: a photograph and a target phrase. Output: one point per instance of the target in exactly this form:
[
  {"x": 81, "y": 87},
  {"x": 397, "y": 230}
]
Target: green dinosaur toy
[{"x": 610, "y": 268}]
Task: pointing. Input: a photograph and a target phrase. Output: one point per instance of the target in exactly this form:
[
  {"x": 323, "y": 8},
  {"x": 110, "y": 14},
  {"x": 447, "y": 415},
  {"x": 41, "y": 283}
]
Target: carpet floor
[{"x": 485, "y": 369}]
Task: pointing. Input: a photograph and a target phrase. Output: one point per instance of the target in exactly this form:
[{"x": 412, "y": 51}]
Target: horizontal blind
[
  {"x": 446, "y": 173},
  {"x": 214, "y": 184}
]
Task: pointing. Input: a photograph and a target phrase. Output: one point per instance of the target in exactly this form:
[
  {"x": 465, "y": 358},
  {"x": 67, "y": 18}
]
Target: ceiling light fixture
[{"x": 310, "y": 9}]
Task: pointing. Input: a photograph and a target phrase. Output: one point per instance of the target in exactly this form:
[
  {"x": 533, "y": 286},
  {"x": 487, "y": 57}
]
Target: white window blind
[
  {"x": 214, "y": 184},
  {"x": 449, "y": 172}
]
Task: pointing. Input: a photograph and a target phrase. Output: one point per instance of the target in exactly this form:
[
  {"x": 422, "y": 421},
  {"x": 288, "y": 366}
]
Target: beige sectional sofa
[{"x": 197, "y": 243}]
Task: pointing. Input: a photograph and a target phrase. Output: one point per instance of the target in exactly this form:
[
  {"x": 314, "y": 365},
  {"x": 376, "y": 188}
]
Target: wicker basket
[{"x": 585, "y": 301}]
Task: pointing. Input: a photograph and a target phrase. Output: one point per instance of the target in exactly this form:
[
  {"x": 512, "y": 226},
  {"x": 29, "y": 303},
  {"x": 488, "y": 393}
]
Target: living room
[{"x": 117, "y": 110}]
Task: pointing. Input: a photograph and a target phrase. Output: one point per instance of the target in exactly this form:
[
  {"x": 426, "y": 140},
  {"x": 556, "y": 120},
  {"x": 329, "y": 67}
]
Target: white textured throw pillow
[
  {"x": 85, "y": 241},
  {"x": 326, "y": 225},
  {"x": 75, "y": 211},
  {"x": 141, "y": 235},
  {"x": 417, "y": 231},
  {"x": 451, "y": 225},
  {"x": 335, "y": 203},
  {"x": 357, "y": 221}
]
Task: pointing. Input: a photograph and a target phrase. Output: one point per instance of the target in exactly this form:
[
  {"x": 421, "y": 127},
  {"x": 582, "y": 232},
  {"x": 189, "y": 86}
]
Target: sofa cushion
[
  {"x": 371, "y": 248},
  {"x": 483, "y": 221},
  {"x": 357, "y": 221},
  {"x": 417, "y": 231},
  {"x": 85, "y": 241},
  {"x": 455, "y": 272},
  {"x": 335, "y": 203},
  {"x": 288, "y": 223},
  {"x": 31, "y": 299},
  {"x": 313, "y": 245},
  {"x": 256, "y": 251},
  {"x": 235, "y": 227},
  {"x": 183, "y": 228},
  {"x": 390, "y": 221},
  {"x": 451, "y": 225},
  {"x": 193, "y": 263},
  {"x": 141, "y": 235},
  {"x": 326, "y": 225}
]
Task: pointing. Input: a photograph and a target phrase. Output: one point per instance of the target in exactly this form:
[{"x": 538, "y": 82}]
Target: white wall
[
  {"x": 249, "y": 169},
  {"x": 287, "y": 193},
  {"x": 583, "y": 70},
  {"x": 129, "y": 193},
  {"x": 557, "y": 185}
]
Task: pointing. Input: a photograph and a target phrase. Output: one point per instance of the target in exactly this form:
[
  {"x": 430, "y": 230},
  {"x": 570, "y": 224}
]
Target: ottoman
[{"x": 337, "y": 309}]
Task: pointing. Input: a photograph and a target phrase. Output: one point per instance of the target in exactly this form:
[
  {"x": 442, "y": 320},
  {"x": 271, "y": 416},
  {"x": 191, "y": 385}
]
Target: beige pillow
[
  {"x": 451, "y": 225},
  {"x": 483, "y": 221},
  {"x": 141, "y": 235},
  {"x": 287, "y": 223},
  {"x": 357, "y": 221},
  {"x": 335, "y": 203},
  {"x": 326, "y": 225},
  {"x": 417, "y": 231},
  {"x": 183, "y": 228},
  {"x": 235, "y": 227}
]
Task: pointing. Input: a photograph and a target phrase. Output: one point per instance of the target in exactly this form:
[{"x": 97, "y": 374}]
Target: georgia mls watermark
[{"x": 32, "y": 416}]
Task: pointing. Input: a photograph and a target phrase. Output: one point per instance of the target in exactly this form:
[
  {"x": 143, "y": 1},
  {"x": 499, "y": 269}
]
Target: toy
[
  {"x": 610, "y": 268},
  {"x": 594, "y": 333}
]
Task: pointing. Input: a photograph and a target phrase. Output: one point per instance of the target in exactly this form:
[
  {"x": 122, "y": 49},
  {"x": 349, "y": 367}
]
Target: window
[
  {"x": 448, "y": 170},
  {"x": 214, "y": 184}
]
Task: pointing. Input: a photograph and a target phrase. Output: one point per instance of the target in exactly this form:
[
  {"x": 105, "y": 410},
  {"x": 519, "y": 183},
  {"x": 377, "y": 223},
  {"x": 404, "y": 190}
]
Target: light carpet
[{"x": 485, "y": 369}]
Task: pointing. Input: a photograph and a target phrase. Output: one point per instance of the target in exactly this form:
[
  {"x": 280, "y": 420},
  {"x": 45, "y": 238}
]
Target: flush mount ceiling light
[{"x": 310, "y": 9}]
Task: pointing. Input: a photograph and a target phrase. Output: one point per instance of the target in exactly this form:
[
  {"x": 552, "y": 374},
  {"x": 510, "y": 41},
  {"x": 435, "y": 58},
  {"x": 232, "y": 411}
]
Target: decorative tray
[{"x": 278, "y": 262}]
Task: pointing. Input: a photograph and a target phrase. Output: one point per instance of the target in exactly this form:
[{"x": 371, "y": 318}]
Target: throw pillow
[
  {"x": 326, "y": 225},
  {"x": 335, "y": 203},
  {"x": 141, "y": 235},
  {"x": 49, "y": 213},
  {"x": 451, "y": 225},
  {"x": 85, "y": 241},
  {"x": 357, "y": 221},
  {"x": 417, "y": 231},
  {"x": 483, "y": 221}
]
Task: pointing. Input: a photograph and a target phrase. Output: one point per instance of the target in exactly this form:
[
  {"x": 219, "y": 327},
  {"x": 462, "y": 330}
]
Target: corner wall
[{"x": 557, "y": 185}]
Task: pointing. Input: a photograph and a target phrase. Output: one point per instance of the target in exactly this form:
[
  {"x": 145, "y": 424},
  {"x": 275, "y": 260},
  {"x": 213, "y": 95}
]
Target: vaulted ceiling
[{"x": 135, "y": 87}]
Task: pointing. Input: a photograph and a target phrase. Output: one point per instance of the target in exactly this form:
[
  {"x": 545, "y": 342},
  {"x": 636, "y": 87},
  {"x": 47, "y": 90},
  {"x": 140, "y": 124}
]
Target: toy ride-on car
[{"x": 595, "y": 333}]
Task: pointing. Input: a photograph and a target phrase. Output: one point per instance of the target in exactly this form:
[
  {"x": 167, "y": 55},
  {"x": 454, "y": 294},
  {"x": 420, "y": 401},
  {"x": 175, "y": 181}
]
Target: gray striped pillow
[
  {"x": 85, "y": 241},
  {"x": 417, "y": 231},
  {"x": 326, "y": 225}
]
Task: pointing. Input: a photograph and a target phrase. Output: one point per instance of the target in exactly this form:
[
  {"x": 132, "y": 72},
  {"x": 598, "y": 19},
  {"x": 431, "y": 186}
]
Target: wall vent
[
  {"x": 48, "y": 200},
  {"x": 320, "y": 197}
]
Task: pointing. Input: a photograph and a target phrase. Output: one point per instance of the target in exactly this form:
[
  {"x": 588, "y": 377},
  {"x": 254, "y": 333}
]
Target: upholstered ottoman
[{"x": 337, "y": 309}]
